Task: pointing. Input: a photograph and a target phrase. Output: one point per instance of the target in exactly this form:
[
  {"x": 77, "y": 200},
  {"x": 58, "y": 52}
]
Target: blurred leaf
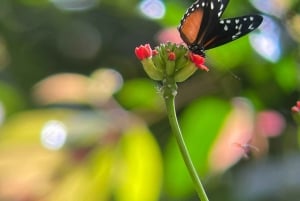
[
  {"x": 101, "y": 173},
  {"x": 141, "y": 175},
  {"x": 174, "y": 13},
  {"x": 129, "y": 169},
  {"x": 11, "y": 98},
  {"x": 286, "y": 74},
  {"x": 27, "y": 171},
  {"x": 141, "y": 95},
  {"x": 200, "y": 124},
  {"x": 73, "y": 187}
]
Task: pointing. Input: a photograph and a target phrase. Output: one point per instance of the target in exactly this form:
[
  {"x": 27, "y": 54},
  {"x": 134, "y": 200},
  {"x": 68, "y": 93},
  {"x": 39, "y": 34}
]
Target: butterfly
[{"x": 202, "y": 28}]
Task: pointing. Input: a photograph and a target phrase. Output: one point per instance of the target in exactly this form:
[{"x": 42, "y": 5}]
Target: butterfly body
[{"x": 202, "y": 28}]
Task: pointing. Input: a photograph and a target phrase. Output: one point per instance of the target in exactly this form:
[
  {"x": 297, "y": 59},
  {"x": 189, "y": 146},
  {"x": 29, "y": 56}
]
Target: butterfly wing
[
  {"x": 230, "y": 29},
  {"x": 202, "y": 29},
  {"x": 199, "y": 18},
  {"x": 213, "y": 10}
]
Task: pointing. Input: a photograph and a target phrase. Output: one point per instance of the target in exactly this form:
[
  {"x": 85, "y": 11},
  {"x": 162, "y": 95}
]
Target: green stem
[{"x": 170, "y": 90}]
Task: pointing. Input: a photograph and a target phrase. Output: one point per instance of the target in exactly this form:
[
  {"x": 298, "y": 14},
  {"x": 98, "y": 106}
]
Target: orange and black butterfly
[{"x": 201, "y": 27}]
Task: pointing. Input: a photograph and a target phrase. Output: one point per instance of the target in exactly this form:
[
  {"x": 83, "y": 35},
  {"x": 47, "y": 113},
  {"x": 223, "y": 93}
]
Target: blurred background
[{"x": 80, "y": 120}]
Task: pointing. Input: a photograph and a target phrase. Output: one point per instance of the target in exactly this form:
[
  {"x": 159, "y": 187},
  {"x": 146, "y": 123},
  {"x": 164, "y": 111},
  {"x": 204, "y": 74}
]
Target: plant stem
[{"x": 170, "y": 90}]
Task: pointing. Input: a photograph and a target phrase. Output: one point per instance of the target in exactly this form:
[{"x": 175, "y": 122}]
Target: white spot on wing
[
  {"x": 236, "y": 35},
  {"x": 251, "y": 27},
  {"x": 225, "y": 28}
]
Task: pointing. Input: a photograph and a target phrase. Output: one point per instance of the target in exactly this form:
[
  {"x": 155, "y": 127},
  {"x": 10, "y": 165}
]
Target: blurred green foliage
[{"x": 118, "y": 145}]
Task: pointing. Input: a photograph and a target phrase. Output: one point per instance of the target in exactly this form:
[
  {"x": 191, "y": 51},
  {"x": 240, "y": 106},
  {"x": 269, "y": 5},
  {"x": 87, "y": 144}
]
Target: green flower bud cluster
[{"x": 168, "y": 60}]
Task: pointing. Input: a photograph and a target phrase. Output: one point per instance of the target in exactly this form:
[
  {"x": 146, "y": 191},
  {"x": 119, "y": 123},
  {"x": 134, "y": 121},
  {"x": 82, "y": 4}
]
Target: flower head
[
  {"x": 143, "y": 52},
  {"x": 169, "y": 60},
  {"x": 198, "y": 61}
]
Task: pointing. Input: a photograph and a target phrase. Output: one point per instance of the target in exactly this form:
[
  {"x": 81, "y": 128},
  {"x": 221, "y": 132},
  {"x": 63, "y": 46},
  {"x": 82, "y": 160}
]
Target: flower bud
[
  {"x": 170, "y": 64},
  {"x": 143, "y": 51},
  {"x": 185, "y": 72},
  {"x": 152, "y": 71}
]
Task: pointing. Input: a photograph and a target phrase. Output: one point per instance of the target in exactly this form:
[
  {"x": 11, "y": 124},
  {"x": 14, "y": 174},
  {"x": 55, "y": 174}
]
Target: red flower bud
[
  {"x": 154, "y": 52},
  {"x": 171, "y": 56},
  {"x": 198, "y": 61},
  {"x": 295, "y": 109},
  {"x": 143, "y": 51},
  {"x": 298, "y": 104}
]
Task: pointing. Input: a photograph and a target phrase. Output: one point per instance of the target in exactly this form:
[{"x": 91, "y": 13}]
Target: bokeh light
[
  {"x": 154, "y": 9},
  {"x": 78, "y": 89},
  {"x": 267, "y": 41},
  {"x": 53, "y": 135},
  {"x": 272, "y": 7},
  {"x": 103, "y": 84},
  {"x": 61, "y": 88},
  {"x": 74, "y": 5}
]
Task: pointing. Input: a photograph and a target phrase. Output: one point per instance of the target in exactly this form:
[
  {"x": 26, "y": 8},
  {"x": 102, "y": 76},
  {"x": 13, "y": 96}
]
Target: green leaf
[
  {"x": 10, "y": 98},
  {"x": 140, "y": 94},
  {"x": 286, "y": 74},
  {"x": 174, "y": 13}
]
